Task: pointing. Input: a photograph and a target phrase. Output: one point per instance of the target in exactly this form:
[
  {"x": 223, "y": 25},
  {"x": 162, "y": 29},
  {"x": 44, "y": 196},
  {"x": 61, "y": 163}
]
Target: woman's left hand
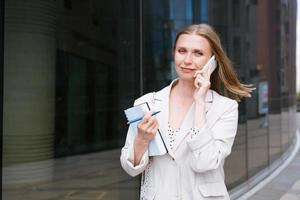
[{"x": 202, "y": 84}]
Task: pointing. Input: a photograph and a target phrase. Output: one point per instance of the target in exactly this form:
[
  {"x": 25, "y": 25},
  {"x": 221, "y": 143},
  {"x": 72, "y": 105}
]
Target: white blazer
[{"x": 193, "y": 169}]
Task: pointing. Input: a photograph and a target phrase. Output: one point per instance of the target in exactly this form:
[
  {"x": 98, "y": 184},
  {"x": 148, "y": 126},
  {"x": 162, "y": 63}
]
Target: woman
[{"x": 197, "y": 122}]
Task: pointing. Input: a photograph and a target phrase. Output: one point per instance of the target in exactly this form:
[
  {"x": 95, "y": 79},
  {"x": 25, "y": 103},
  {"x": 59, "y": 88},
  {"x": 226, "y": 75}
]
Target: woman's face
[{"x": 191, "y": 54}]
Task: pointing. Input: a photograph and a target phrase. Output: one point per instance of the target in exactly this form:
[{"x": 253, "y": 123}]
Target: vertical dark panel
[
  {"x": 140, "y": 45},
  {"x": 1, "y": 82},
  {"x": 196, "y": 9}
]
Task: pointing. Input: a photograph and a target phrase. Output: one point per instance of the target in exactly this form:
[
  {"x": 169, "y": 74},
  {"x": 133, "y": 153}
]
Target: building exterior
[{"x": 71, "y": 67}]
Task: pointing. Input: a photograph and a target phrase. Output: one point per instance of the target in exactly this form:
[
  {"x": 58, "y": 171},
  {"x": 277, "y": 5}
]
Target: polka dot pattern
[
  {"x": 172, "y": 135},
  {"x": 194, "y": 132}
]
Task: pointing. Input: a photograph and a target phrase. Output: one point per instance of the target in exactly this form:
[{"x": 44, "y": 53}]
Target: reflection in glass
[
  {"x": 274, "y": 136},
  {"x": 284, "y": 127},
  {"x": 236, "y": 163},
  {"x": 257, "y": 130},
  {"x": 71, "y": 68},
  {"x": 293, "y": 118}
]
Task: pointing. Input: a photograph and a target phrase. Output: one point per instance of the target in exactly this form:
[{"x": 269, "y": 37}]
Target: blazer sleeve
[
  {"x": 211, "y": 146},
  {"x": 127, "y": 155}
]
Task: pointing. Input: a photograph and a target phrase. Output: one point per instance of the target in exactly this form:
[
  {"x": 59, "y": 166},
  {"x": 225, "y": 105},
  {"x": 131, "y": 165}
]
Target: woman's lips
[{"x": 187, "y": 70}]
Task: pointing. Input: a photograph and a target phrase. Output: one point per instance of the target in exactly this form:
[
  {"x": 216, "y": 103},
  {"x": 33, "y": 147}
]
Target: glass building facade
[{"x": 71, "y": 67}]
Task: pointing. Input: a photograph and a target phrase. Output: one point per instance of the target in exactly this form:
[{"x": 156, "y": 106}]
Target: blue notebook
[{"x": 134, "y": 114}]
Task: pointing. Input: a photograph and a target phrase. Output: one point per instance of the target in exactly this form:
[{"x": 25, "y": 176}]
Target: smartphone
[{"x": 212, "y": 64}]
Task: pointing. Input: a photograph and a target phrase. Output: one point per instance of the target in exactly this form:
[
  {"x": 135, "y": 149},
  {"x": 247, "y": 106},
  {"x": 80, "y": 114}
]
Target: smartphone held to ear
[{"x": 211, "y": 64}]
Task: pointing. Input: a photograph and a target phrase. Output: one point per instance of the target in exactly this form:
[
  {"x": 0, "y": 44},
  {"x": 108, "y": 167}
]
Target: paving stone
[
  {"x": 296, "y": 186},
  {"x": 289, "y": 197}
]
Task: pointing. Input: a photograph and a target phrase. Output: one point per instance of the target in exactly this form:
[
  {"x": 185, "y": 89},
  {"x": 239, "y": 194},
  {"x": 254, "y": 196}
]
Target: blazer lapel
[{"x": 162, "y": 104}]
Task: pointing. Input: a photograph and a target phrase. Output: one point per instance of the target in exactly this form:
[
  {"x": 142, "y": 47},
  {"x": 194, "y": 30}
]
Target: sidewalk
[{"x": 286, "y": 185}]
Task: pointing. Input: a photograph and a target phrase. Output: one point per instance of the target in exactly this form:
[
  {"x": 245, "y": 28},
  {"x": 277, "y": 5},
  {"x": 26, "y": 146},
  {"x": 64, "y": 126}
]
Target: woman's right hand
[{"x": 147, "y": 128}]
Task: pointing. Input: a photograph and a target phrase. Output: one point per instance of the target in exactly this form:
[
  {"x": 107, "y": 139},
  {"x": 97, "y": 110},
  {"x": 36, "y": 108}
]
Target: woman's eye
[
  {"x": 198, "y": 53},
  {"x": 181, "y": 50}
]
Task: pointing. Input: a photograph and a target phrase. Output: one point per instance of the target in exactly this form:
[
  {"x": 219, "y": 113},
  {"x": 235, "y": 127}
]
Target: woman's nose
[{"x": 188, "y": 58}]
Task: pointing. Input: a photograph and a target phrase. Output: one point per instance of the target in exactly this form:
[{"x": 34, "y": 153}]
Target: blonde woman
[{"x": 198, "y": 121}]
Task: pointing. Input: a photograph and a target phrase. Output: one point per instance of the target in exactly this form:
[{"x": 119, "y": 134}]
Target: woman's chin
[{"x": 186, "y": 77}]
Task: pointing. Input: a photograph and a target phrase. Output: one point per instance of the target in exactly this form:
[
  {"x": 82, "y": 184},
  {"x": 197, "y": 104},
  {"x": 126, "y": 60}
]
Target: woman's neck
[{"x": 185, "y": 89}]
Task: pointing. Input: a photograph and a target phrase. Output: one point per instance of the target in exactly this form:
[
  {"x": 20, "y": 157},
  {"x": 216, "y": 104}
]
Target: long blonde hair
[{"x": 224, "y": 79}]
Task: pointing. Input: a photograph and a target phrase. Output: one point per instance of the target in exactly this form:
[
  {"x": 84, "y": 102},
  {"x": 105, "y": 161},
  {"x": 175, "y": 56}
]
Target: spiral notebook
[{"x": 157, "y": 146}]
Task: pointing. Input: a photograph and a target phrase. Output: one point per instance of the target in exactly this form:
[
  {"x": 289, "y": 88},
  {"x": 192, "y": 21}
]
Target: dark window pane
[{"x": 75, "y": 67}]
